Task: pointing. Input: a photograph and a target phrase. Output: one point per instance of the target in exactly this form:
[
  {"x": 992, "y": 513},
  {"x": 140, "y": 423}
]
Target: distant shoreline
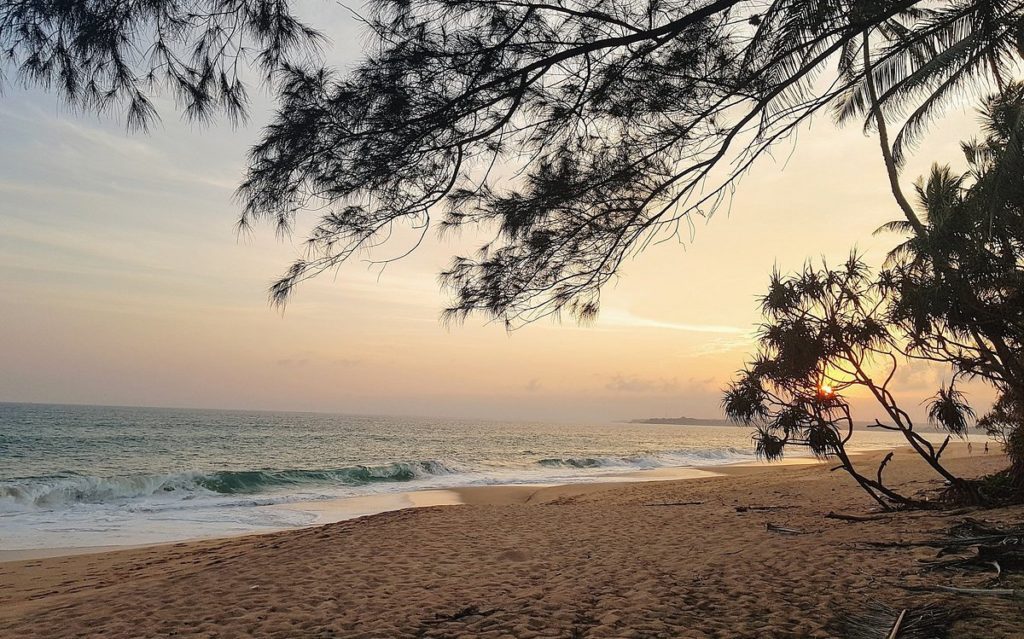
[
  {"x": 692, "y": 421},
  {"x": 682, "y": 421}
]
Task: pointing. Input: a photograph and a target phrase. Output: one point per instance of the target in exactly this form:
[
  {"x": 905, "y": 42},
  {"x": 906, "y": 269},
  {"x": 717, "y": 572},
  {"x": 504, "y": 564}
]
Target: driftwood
[
  {"x": 963, "y": 542},
  {"x": 948, "y": 545},
  {"x": 1008, "y": 557},
  {"x": 845, "y": 517},
  {"x": 677, "y": 503},
  {"x": 961, "y": 563},
  {"x": 904, "y": 544},
  {"x": 970, "y": 527},
  {"x": 743, "y": 509},
  {"x": 916, "y": 514},
  {"x": 995, "y": 548},
  {"x": 786, "y": 531}
]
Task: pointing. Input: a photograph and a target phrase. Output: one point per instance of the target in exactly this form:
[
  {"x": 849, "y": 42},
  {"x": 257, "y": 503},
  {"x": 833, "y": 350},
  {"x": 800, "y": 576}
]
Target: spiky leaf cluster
[
  {"x": 820, "y": 332},
  {"x": 950, "y": 411}
]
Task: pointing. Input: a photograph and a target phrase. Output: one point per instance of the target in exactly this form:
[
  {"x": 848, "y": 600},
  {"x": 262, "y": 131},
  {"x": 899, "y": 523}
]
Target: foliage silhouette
[
  {"x": 951, "y": 293},
  {"x": 576, "y": 131},
  {"x": 958, "y": 285},
  {"x": 100, "y": 54},
  {"x": 823, "y": 338}
]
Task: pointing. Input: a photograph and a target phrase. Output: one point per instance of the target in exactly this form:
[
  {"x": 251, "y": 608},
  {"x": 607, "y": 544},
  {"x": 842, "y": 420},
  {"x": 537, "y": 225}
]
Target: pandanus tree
[
  {"x": 573, "y": 132},
  {"x": 824, "y": 340},
  {"x": 950, "y": 293}
]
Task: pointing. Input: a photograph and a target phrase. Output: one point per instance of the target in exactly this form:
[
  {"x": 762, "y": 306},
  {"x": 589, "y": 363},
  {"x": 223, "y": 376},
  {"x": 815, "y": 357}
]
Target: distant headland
[{"x": 683, "y": 421}]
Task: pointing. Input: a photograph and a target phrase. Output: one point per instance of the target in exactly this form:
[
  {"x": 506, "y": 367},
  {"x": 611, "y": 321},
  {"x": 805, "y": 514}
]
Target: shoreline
[
  {"x": 330, "y": 511},
  {"x": 335, "y": 510}
]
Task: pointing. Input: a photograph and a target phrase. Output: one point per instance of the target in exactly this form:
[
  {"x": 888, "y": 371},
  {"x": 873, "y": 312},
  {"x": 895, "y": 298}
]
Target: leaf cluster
[
  {"x": 819, "y": 335},
  {"x": 574, "y": 133},
  {"x": 102, "y": 54}
]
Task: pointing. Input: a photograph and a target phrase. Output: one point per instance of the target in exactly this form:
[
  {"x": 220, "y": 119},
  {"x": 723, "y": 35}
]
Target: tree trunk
[{"x": 883, "y": 138}]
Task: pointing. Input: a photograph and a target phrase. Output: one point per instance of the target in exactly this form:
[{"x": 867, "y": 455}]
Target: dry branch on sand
[{"x": 858, "y": 518}]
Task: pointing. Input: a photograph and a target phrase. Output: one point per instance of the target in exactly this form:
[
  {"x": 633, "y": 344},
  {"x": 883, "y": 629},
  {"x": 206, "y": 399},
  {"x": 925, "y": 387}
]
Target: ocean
[{"x": 78, "y": 476}]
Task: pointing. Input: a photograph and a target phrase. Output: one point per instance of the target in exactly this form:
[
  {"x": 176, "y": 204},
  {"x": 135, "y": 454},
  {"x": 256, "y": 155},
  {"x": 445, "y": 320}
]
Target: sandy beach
[{"x": 686, "y": 558}]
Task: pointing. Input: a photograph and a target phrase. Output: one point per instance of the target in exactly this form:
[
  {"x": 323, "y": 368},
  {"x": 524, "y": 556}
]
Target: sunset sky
[{"x": 125, "y": 283}]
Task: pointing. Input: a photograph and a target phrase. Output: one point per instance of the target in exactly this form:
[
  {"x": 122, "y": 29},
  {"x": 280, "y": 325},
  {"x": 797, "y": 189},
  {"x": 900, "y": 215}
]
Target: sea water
[{"x": 74, "y": 476}]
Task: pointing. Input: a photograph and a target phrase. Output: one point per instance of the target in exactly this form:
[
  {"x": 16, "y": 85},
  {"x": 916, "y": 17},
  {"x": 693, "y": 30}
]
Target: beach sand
[{"x": 595, "y": 560}]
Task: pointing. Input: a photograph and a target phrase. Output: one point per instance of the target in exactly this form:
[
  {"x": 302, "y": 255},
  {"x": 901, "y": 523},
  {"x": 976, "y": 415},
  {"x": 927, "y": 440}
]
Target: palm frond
[{"x": 903, "y": 227}]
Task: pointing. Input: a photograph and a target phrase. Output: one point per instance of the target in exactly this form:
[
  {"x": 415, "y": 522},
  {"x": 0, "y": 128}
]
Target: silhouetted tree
[
  {"x": 825, "y": 336},
  {"x": 576, "y": 130},
  {"x": 957, "y": 284},
  {"x": 951, "y": 293},
  {"x": 942, "y": 52},
  {"x": 100, "y": 54}
]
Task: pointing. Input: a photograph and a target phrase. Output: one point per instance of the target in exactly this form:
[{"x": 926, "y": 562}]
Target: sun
[{"x": 826, "y": 391}]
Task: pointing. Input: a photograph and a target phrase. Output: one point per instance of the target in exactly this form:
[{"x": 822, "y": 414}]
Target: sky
[{"x": 125, "y": 283}]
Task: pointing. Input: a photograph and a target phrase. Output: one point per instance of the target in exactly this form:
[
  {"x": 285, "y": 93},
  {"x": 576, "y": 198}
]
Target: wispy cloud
[
  {"x": 617, "y": 318},
  {"x": 635, "y": 384}
]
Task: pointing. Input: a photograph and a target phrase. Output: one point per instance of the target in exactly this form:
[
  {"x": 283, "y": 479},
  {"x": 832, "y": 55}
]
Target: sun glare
[{"x": 825, "y": 390}]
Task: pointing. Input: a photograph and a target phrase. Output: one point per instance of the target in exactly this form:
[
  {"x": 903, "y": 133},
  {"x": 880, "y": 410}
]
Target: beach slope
[{"x": 691, "y": 558}]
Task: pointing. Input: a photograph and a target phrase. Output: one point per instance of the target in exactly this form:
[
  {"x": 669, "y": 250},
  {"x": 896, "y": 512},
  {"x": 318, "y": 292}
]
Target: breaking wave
[
  {"x": 67, "y": 490},
  {"x": 62, "y": 490}
]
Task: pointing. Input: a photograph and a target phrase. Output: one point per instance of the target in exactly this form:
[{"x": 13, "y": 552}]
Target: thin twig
[{"x": 895, "y": 632}]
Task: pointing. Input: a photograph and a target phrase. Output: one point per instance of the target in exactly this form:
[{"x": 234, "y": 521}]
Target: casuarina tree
[{"x": 573, "y": 132}]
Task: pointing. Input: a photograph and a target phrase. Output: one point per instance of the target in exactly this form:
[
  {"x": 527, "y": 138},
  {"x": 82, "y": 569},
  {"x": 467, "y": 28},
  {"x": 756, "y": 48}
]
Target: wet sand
[{"x": 682, "y": 558}]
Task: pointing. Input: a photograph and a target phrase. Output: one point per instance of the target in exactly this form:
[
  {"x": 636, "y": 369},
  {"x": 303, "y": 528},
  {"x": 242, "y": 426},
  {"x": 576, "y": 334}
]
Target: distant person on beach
[
  {"x": 970, "y": 449},
  {"x": 986, "y": 448}
]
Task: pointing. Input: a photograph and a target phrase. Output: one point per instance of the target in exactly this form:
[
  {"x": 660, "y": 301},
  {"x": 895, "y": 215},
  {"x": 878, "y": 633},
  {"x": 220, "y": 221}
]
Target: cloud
[
  {"x": 916, "y": 376},
  {"x": 310, "y": 358},
  {"x": 292, "y": 362},
  {"x": 634, "y": 384},
  {"x": 725, "y": 344},
  {"x": 617, "y": 318},
  {"x": 141, "y": 167},
  {"x": 706, "y": 383}
]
